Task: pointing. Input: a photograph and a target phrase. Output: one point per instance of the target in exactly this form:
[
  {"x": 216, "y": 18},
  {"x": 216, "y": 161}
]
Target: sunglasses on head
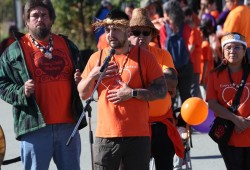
[{"x": 137, "y": 33}]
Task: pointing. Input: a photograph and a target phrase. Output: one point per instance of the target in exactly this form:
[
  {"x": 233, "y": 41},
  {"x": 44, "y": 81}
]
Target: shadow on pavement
[{"x": 207, "y": 157}]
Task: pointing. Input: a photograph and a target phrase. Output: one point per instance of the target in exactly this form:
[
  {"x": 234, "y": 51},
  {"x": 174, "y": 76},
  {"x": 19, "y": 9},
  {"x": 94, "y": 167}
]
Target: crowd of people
[
  {"x": 160, "y": 54},
  {"x": 201, "y": 30}
]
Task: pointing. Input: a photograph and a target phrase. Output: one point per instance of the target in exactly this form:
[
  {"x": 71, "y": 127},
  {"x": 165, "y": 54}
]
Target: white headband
[{"x": 233, "y": 38}]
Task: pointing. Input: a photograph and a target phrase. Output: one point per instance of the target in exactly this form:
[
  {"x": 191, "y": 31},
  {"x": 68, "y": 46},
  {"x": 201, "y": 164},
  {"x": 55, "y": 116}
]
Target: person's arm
[
  {"x": 159, "y": 22},
  {"x": 191, "y": 48},
  {"x": 191, "y": 40},
  {"x": 163, "y": 36},
  {"x": 202, "y": 10},
  {"x": 86, "y": 86},
  {"x": 12, "y": 88},
  {"x": 240, "y": 122},
  {"x": 157, "y": 89},
  {"x": 204, "y": 72},
  {"x": 171, "y": 79}
]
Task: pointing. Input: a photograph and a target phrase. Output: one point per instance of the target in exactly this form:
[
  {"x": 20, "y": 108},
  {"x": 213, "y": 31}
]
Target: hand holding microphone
[
  {"x": 107, "y": 59},
  {"x": 106, "y": 70}
]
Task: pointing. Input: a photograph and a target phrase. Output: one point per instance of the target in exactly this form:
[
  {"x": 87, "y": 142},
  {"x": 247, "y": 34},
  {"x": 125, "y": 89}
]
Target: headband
[
  {"x": 108, "y": 21},
  {"x": 233, "y": 37}
]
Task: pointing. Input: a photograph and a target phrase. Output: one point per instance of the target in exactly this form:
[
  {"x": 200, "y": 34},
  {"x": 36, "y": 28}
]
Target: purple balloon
[{"x": 204, "y": 127}]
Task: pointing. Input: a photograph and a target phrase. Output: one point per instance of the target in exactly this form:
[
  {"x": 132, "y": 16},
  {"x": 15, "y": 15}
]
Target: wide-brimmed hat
[
  {"x": 233, "y": 37},
  {"x": 140, "y": 18}
]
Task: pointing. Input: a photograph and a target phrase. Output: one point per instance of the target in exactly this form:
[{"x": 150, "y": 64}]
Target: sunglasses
[{"x": 137, "y": 33}]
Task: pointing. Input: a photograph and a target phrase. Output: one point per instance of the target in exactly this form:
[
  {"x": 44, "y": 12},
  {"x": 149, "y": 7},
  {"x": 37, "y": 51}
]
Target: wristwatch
[{"x": 134, "y": 93}]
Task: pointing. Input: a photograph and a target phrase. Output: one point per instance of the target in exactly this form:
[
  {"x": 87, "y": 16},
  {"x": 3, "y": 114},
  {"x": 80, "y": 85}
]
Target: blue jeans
[{"x": 39, "y": 147}]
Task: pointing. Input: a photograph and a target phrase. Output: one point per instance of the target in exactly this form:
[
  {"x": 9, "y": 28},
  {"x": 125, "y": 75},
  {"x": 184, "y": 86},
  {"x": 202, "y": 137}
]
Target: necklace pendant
[{"x": 48, "y": 55}]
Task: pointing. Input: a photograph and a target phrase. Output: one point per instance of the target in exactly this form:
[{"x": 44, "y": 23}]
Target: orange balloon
[{"x": 194, "y": 111}]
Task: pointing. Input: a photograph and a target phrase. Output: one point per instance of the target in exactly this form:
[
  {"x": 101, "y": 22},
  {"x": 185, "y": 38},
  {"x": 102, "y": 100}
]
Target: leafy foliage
[
  {"x": 7, "y": 16},
  {"x": 74, "y": 18}
]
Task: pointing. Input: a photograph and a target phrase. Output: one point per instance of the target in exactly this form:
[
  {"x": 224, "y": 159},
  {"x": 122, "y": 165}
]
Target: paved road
[{"x": 204, "y": 154}]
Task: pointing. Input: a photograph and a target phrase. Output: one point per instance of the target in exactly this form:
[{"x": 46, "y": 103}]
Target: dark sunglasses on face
[{"x": 137, "y": 33}]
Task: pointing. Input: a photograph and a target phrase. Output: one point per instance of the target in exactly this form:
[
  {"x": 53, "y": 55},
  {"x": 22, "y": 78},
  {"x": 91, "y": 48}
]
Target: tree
[
  {"x": 7, "y": 12},
  {"x": 74, "y": 19}
]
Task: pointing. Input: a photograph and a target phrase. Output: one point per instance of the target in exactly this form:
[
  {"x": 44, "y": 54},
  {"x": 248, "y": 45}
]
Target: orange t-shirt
[
  {"x": 53, "y": 79},
  {"x": 215, "y": 14},
  {"x": 196, "y": 19},
  {"x": 130, "y": 117},
  {"x": 195, "y": 56},
  {"x": 102, "y": 42},
  {"x": 161, "y": 106},
  {"x": 220, "y": 89},
  {"x": 206, "y": 56},
  {"x": 238, "y": 21},
  {"x": 155, "y": 42}
]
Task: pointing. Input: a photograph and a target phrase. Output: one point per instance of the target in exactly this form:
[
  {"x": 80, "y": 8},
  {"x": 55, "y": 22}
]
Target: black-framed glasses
[{"x": 137, "y": 33}]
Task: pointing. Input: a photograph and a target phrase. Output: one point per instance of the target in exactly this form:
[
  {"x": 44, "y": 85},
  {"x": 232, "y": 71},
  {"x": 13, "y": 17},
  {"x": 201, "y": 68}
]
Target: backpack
[{"x": 176, "y": 46}]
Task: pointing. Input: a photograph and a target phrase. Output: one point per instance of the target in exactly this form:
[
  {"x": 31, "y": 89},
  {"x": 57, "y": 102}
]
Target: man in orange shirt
[
  {"x": 131, "y": 79},
  {"x": 165, "y": 140},
  {"x": 37, "y": 76},
  {"x": 195, "y": 51}
]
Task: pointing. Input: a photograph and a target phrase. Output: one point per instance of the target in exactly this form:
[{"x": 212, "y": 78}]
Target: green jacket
[{"x": 13, "y": 75}]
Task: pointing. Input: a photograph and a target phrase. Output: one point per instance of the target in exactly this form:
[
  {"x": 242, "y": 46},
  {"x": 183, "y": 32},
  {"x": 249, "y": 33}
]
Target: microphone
[{"x": 107, "y": 59}]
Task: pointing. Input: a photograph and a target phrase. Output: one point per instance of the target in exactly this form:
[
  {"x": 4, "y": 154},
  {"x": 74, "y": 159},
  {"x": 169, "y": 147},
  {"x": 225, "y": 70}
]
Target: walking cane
[{"x": 87, "y": 106}]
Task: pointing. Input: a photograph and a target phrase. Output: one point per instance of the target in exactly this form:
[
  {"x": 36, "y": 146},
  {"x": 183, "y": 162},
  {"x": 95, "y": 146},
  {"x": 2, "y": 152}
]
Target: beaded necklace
[
  {"x": 125, "y": 62},
  {"x": 47, "y": 50},
  {"x": 232, "y": 82}
]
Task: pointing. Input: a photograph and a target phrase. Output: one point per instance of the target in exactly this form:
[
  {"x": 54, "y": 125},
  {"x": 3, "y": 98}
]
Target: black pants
[
  {"x": 236, "y": 158},
  {"x": 162, "y": 147},
  {"x": 185, "y": 79},
  {"x": 134, "y": 152}
]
